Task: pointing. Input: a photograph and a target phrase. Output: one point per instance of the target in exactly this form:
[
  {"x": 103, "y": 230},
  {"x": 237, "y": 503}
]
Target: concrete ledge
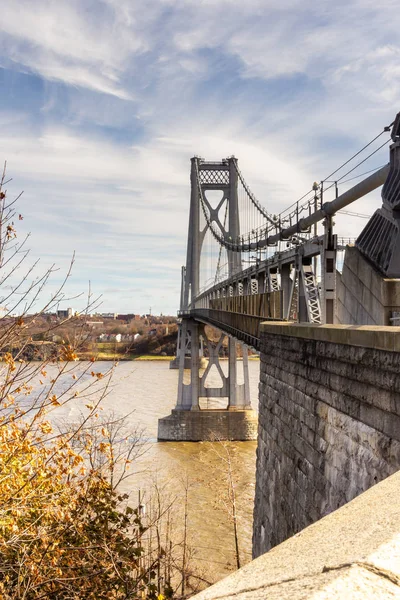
[
  {"x": 202, "y": 425},
  {"x": 378, "y": 337},
  {"x": 352, "y": 554}
]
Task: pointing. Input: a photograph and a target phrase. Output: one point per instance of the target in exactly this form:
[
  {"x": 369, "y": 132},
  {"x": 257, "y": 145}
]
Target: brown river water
[{"x": 146, "y": 391}]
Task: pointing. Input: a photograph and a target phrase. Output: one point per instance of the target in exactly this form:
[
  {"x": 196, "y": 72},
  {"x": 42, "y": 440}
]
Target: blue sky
[{"x": 104, "y": 102}]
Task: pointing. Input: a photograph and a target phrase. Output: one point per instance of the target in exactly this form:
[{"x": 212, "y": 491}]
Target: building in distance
[
  {"x": 127, "y": 318},
  {"x": 65, "y": 313}
]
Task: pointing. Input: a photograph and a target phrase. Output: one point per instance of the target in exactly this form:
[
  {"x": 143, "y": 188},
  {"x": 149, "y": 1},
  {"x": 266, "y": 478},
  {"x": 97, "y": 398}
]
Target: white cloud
[{"x": 59, "y": 41}]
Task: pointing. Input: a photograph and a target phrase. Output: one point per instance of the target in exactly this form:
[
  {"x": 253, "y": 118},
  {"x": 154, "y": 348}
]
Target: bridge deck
[{"x": 245, "y": 328}]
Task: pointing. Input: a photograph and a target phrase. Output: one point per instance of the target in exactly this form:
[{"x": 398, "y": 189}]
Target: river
[{"x": 146, "y": 391}]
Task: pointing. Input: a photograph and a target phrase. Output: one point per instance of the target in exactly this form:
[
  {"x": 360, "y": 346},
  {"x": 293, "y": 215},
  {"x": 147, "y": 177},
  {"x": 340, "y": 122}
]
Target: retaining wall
[{"x": 329, "y": 422}]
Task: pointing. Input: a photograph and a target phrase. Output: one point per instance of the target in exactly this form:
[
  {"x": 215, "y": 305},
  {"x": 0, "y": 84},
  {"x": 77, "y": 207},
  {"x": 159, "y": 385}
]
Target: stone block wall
[{"x": 329, "y": 422}]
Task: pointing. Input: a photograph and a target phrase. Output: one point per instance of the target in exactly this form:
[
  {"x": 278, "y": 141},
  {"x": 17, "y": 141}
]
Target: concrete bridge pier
[{"x": 191, "y": 420}]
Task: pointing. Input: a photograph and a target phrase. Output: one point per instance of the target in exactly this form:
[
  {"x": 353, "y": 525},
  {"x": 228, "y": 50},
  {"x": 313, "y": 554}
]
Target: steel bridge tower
[
  {"x": 206, "y": 176},
  {"x": 222, "y": 177}
]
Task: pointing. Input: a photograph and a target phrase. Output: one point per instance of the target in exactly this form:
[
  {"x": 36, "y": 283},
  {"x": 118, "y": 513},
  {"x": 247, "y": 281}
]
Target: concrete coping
[
  {"x": 367, "y": 336},
  {"x": 353, "y": 553}
]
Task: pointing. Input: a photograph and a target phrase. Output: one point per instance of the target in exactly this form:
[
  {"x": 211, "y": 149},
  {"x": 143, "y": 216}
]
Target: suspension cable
[
  {"x": 220, "y": 247},
  {"x": 258, "y": 231},
  {"x": 385, "y": 130},
  {"x": 360, "y": 163},
  {"x": 252, "y": 197},
  {"x": 362, "y": 174}
]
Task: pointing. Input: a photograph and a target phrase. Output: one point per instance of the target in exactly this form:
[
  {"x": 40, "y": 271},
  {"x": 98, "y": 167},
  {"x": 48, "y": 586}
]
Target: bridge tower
[
  {"x": 236, "y": 420},
  {"x": 210, "y": 176}
]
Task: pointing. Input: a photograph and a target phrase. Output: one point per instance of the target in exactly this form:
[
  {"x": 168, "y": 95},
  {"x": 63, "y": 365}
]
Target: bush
[{"x": 63, "y": 531}]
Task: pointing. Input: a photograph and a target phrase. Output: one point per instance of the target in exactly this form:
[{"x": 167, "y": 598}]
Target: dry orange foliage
[{"x": 65, "y": 532}]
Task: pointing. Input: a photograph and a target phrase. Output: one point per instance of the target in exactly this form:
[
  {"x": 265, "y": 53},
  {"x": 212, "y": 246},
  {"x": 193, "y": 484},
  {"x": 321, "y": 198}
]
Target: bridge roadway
[{"x": 243, "y": 327}]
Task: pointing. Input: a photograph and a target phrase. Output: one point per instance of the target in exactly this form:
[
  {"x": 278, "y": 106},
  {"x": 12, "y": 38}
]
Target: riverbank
[
  {"x": 144, "y": 357},
  {"x": 115, "y": 356}
]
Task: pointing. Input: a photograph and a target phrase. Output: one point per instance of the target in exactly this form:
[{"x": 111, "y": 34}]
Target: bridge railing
[
  {"x": 245, "y": 328},
  {"x": 267, "y": 305},
  {"x": 241, "y": 316}
]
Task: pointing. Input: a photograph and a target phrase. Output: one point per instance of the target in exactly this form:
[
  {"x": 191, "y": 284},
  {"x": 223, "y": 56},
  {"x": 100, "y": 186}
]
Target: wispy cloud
[{"x": 89, "y": 48}]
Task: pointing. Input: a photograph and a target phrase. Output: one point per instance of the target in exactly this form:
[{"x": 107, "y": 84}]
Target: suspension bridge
[{"x": 246, "y": 265}]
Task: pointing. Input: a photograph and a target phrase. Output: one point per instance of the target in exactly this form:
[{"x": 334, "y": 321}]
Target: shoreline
[{"x": 145, "y": 358}]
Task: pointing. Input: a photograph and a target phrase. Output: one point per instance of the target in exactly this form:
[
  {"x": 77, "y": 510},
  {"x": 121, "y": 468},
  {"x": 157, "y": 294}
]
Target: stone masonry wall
[{"x": 329, "y": 422}]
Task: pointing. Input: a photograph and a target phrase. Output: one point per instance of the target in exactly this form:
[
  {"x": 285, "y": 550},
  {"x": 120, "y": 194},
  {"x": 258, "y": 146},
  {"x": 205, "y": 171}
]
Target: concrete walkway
[{"x": 352, "y": 554}]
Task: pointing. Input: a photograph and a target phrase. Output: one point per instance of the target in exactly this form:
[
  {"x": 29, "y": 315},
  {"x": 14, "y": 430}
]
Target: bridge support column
[
  {"x": 286, "y": 286},
  {"x": 189, "y": 357},
  {"x": 195, "y": 364},
  {"x": 239, "y": 395},
  {"x": 233, "y": 419},
  {"x": 184, "y": 400}
]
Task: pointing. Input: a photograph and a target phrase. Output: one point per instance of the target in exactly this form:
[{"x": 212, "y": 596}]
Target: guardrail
[
  {"x": 240, "y": 316},
  {"x": 245, "y": 328},
  {"x": 268, "y": 305}
]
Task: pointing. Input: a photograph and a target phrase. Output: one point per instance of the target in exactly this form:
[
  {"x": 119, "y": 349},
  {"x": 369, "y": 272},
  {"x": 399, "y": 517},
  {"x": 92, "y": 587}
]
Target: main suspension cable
[{"x": 259, "y": 231}]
